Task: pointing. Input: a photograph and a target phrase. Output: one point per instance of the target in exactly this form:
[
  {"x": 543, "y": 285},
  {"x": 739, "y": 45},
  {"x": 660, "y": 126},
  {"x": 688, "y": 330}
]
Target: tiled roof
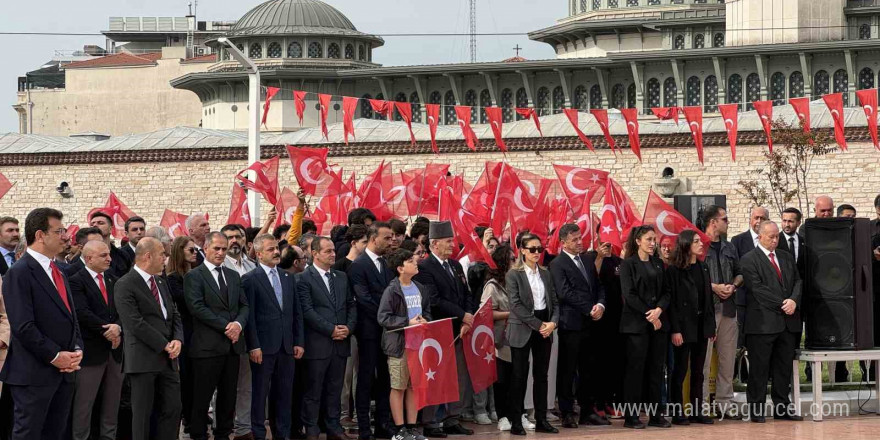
[
  {"x": 516, "y": 59},
  {"x": 117, "y": 60},
  {"x": 210, "y": 58}
]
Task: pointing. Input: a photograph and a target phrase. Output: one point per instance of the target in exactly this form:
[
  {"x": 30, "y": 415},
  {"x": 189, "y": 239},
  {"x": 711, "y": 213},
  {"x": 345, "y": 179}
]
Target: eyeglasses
[
  {"x": 534, "y": 250},
  {"x": 191, "y": 250}
]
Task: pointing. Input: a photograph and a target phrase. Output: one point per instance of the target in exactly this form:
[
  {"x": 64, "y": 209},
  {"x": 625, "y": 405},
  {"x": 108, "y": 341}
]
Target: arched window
[
  {"x": 583, "y": 6},
  {"x": 449, "y": 113},
  {"x": 380, "y": 97},
  {"x": 558, "y": 100},
  {"x": 543, "y": 104},
  {"x": 522, "y": 101},
  {"x": 294, "y": 50},
  {"x": 753, "y": 90},
  {"x": 401, "y": 97},
  {"x": 632, "y": 2},
  {"x": 470, "y": 100},
  {"x": 653, "y": 2},
  {"x": 333, "y": 51},
  {"x": 777, "y": 88},
  {"x": 416, "y": 106},
  {"x": 349, "y": 52},
  {"x": 315, "y": 50},
  {"x": 841, "y": 85},
  {"x": 693, "y": 91},
  {"x": 595, "y": 96},
  {"x": 678, "y": 43},
  {"x": 618, "y": 96},
  {"x": 597, "y": 5},
  {"x": 796, "y": 85},
  {"x": 485, "y": 101},
  {"x": 434, "y": 98},
  {"x": 652, "y": 95},
  {"x": 710, "y": 94},
  {"x": 866, "y": 78},
  {"x": 612, "y": 3},
  {"x": 865, "y": 32},
  {"x": 670, "y": 93},
  {"x": 718, "y": 40},
  {"x": 362, "y": 53},
  {"x": 734, "y": 89},
  {"x": 256, "y": 51},
  {"x": 274, "y": 50},
  {"x": 699, "y": 41},
  {"x": 580, "y": 99},
  {"x": 366, "y": 108},
  {"x": 507, "y": 111},
  {"x": 820, "y": 84},
  {"x": 631, "y": 96}
]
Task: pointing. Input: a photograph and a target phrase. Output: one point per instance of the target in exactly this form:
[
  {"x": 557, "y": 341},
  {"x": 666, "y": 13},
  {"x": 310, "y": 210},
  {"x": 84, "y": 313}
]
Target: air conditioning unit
[{"x": 200, "y": 51}]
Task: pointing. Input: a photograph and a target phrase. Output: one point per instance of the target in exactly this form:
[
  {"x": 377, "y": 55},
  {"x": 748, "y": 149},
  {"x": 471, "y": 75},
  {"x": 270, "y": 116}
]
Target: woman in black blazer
[
  {"x": 692, "y": 322},
  {"x": 534, "y": 313},
  {"x": 644, "y": 323}
]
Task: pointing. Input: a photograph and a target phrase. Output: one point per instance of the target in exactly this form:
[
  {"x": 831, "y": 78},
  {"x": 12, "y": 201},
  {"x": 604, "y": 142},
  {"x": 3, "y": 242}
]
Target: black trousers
[
  {"x": 186, "y": 386},
  {"x": 296, "y": 402},
  {"x": 695, "y": 352},
  {"x": 539, "y": 347},
  {"x": 501, "y": 390},
  {"x": 323, "y": 395},
  {"x": 373, "y": 381},
  {"x": 571, "y": 370},
  {"x": 606, "y": 362},
  {"x": 5, "y": 414},
  {"x": 160, "y": 391},
  {"x": 41, "y": 412},
  {"x": 220, "y": 373},
  {"x": 273, "y": 379},
  {"x": 645, "y": 357},
  {"x": 770, "y": 356}
]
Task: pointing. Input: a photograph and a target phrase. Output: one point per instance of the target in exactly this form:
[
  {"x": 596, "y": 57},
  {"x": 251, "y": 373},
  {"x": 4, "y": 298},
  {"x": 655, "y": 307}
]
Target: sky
[{"x": 25, "y": 53}]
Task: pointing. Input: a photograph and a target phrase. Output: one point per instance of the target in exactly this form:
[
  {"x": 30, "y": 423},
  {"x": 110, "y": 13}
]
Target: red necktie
[
  {"x": 103, "y": 287},
  {"x": 154, "y": 289},
  {"x": 775, "y": 266},
  {"x": 59, "y": 284}
]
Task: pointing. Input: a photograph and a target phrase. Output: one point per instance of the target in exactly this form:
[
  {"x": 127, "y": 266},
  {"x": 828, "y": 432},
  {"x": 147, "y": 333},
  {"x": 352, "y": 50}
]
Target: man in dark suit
[
  {"x": 102, "y": 355},
  {"x": 450, "y": 298},
  {"x": 220, "y": 310},
  {"x": 46, "y": 346},
  {"x": 792, "y": 242},
  {"x": 153, "y": 334},
  {"x": 198, "y": 227},
  {"x": 773, "y": 323},
  {"x": 274, "y": 338},
  {"x": 83, "y": 236},
  {"x": 9, "y": 239},
  {"x": 135, "y": 228},
  {"x": 581, "y": 301},
  {"x": 329, "y": 312},
  {"x": 368, "y": 277},
  {"x": 120, "y": 264}
]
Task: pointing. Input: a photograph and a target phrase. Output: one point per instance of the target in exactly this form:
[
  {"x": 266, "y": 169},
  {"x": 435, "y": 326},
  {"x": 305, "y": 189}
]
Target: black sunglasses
[{"x": 535, "y": 250}]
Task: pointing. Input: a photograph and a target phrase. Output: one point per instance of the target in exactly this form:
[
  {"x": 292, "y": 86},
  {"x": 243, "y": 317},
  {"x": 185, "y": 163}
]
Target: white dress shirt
[
  {"x": 146, "y": 278},
  {"x": 213, "y": 269},
  {"x": 7, "y": 255},
  {"x": 44, "y": 262},
  {"x": 775, "y": 256},
  {"x": 323, "y": 274},
  {"x": 754, "y": 237},
  {"x": 794, "y": 249},
  {"x": 242, "y": 267},
  {"x": 94, "y": 276},
  {"x": 537, "y": 285},
  {"x": 375, "y": 259},
  {"x": 573, "y": 256}
]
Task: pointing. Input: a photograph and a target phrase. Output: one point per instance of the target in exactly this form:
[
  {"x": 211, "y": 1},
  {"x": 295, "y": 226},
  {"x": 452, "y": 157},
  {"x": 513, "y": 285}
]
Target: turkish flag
[
  {"x": 299, "y": 102},
  {"x": 433, "y": 114},
  {"x": 668, "y": 223},
  {"x": 584, "y": 221},
  {"x": 174, "y": 223},
  {"x": 465, "y": 233},
  {"x": 572, "y": 114},
  {"x": 430, "y": 357},
  {"x": 730, "y": 115},
  {"x": 309, "y": 167},
  {"x": 631, "y": 116},
  {"x": 397, "y": 196},
  {"x": 868, "y": 99},
  {"x": 5, "y": 185},
  {"x": 513, "y": 198},
  {"x": 286, "y": 206},
  {"x": 560, "y": 214},
  {"x": 694, "y": 117},
  {"x": 117, "y": 211},
  {"x": 479, "y": 349},
  {"x": 481, "y": 199},
  {"x": 530, "y": 113},
  {"x": 266, "y": 180},
  {"x": 404, "y": 109},
  {"x": 72, "y": 229},
  {"x": 601, "y": 116},
  {"x": 324, "y": 101},
  {"x": 765, "y": 112},
  {"x": 383, "y": 108},
  {"x": 422, "y": 186},
  {"x": 801, "y": 108},
  {"x": 666, "y": 113},
  {"x": 463, "y": 115},
  {"x": 239, "y": 213},
  {"x": 578, "y": 182},
  {"x": 270, "y": 93},
  {"x": 496, "y": 120},
  {"x": 374, "y": 192},
  {"x": 834, "y": 101},
  {"x": 610, "y": 224},
  {"x": 349, "y": 106}
]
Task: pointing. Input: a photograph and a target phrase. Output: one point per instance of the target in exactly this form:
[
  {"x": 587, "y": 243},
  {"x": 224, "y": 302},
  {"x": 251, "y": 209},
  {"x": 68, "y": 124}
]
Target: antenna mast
[{"x": 473, "y": 29}]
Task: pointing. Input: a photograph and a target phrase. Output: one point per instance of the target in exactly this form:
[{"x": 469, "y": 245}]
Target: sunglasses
[
  {"x": 190, "y": 250},
  {"x": 534, "y": 250}
]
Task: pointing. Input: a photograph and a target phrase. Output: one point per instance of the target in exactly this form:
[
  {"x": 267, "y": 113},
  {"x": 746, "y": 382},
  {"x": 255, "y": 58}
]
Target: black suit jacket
[
  {"x": 522, "y": 320},
  {"x": 450, "y": 297},
  {"x": 764, "y": 313},
  {"x": 368, "y": 285},
  {"x": 75, "y": 266},
  {"x": 639, "y": 296},
  {"x": 271, "y": 327},
  {"x": 3, "y": 266},
  {"x": 211, "y": 312},
  {"x": 128, "y": 253},
  {"x": 801, "y": 251},
  {"x": 40, "y": 325},
  {"x": 685, "y": 315},
  {"x": 321, "y": 316},
  {"x": 120, "y": 264},
  {"x": 576, "y": 294},
  {"x": 146, "y": 331},
  {"x": 93, "y": 313},
  {"x": 744, "y": 243}
]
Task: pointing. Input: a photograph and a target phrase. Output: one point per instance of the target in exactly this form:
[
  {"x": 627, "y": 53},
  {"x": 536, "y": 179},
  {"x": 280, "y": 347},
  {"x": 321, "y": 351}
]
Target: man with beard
[
  {"x": 135, "y": 228},
  {"x": 9, "y": 238},
  {"x": 119, "y": 263}
]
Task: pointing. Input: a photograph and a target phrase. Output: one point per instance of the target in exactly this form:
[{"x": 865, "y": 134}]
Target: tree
[{"x": 783, "y": 179}]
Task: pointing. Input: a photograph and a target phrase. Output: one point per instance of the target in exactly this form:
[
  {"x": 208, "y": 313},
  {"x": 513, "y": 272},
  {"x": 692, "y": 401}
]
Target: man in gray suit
[
  {"x": 153, "y": 334},
  {"x": 330, "y": 313}
]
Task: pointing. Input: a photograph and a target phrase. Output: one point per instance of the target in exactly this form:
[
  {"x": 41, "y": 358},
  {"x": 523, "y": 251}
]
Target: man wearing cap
[{"x": 450, "y": 298}]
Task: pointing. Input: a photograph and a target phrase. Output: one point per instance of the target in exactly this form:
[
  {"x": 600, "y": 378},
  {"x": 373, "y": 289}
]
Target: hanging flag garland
[{"x": 730, "y": 115}]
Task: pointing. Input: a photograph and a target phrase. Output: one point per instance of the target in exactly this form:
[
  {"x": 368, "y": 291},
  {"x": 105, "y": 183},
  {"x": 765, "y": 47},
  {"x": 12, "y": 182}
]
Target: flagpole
[
  {"x": 497, "y": 189},
  {"x": 422, "y": 190},
  {"x": 418, "y": 325}
]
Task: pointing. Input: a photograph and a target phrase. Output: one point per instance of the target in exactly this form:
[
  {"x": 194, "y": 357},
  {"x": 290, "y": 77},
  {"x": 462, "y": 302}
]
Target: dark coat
[
  {"x": 801, "y": 255},
  {"x": 744, "y": 244},
  {"x": 93, "y": 313},
  {"x": 450, "y": 296},
  {"x": 367, "y": 286},
  {"x": 120, "y": 264},
  {"x": 522, "y": 320},
  {"x": 321, "y": 315},
  {"x": 764, "y": 313},
  {"x": 75, "y": 266},
  {"x": 393, "y": 315},
  {"x": 577, "y": 294},
  {"x": 272, "y": 328},
  {"x": 212, "y": 312},
  {"x": 639, "y": 298},
  {"x": 684, "y": 314}
]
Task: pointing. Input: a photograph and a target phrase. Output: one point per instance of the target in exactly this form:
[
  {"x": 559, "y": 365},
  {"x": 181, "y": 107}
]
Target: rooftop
[{"x": 117, "y": 60}]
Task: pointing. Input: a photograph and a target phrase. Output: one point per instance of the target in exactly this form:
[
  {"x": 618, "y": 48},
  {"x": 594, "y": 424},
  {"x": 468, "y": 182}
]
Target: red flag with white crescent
[
  {"x": 463, "y": 116},
  {"x": 572, "y": 115},
  {"x": 584, "y": 221},
  {"x": 668, "y": 222},
  {"x": 404, "y": 109},
  {"x": 764, "y": 109},
  {"x": 430, "y": 357},
  {"x": 496, "y": 121},
  {"x": 834, "y": 101},
  {"x": 118, "y": 211},
  {"x": 375, "y": 192},
  {"x": 868, "y": 100},
  {"x": 266, "y": 180},
  {"x": 730, "y": 115},
  {"x": 270, "y": 93},
  {"x": 479, "y": 349},
  {"x": 666, "y": 113},
  {"x": 174, "y": 223},
  {"x": 286, "y": 206},
  {"x": 349, "y": 106},
  {"x": 578, "y": 182},
  {"x": 239, "y": 213},
  {"x": 611, "y": 228},
  {"x": 631, "y": 116},
  {"x": 801, "y": 108},
  {"x": 382, "y": 107},
  {"x": 310, "y": 168},
  {"x": 324, "y": 102},
  {"x": 601, "y": 116},
  {"x": 694, "y": 116},
  {"x": 433, "y": 114},
  {"x": 299, "y": 102},
  {"x": 530, "y": 113},
  {"x": 5, "y": 185}
]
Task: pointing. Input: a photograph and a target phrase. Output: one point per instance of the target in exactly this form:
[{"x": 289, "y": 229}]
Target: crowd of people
[{"x": 240, "y": 331}]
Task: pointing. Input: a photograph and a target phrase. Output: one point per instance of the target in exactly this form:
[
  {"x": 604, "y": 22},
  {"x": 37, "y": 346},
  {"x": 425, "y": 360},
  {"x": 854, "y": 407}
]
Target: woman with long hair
[
  {"x": 692, "y": 322},
  {"x": 534, "y": 313},
  {"x": 645, "y": 324},
  {"x": 495, "y": 290},
  {"x": 181, "y": 261}
]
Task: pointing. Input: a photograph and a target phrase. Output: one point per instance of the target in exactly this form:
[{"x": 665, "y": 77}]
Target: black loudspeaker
[
  {"x": 691, "y": 206},
  {"x": 838, "y": 299}
]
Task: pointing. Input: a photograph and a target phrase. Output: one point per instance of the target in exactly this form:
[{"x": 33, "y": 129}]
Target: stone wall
[{"x": 149, "y": 188}]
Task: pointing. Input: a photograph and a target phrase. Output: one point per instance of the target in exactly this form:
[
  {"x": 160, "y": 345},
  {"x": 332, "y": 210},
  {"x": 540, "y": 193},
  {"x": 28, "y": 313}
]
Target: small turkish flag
[
  {"x": 834, "y": 101},
  {"x": 116, "y": 210},
  {"x": 694, "y": 116},
  {"x": 433, "y": 113},
  {"x": 666, "y": 113},
  {"x": 577, "y": 182},
  {"x": 383, "y": 108},
  {"x": 266, "y": 181},
  {"x": 610, "y": 224},
  {"x": 764, "y": 109},
  {"x": 309, "y": 167},
  {"x": 287, "y": 203},
  {"x": 572, "y": 114},
  {"x": 270, "y": 93},
  {"x": 668, "y": 223},
  {"x": 430, "y": 356},
  {"x": 299, "y": 101},
  {"x": 801, "y": 108},
  {"x": 324, "y": 102},
  {"x": 601, "y": 116},
  {"x": 868, "y": 99},
  {"x": 349, "y": 105},
  {"x": 496, "y": 121},
  {"x": 239, "y": 213},
  {"x": 586, "y": 225},
  {"x": 174, "y": 223},
  {"x": 479, "y": 349},
  {"x": 463, "y": 115},
  {"x": 5, "y": 185},
  {"x": 404, "y": 109},
  {"x": 631, "y": 116},
  {"x": 530, "y": 113},
  {"x": 730, "y": 115}
]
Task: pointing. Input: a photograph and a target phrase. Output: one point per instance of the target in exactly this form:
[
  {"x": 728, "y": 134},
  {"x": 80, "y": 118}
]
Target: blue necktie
[
  {"x": 331, "y": 288},
  {"x": 276, "y": 285}
]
